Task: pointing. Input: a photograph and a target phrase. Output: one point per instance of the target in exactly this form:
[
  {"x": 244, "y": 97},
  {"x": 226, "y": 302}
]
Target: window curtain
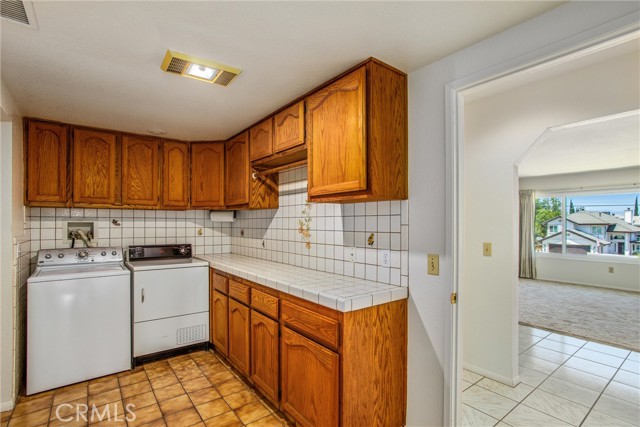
[{"x": 527, "y": 234}]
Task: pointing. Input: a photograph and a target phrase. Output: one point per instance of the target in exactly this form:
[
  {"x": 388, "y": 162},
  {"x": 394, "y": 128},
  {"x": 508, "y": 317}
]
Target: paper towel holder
[{"x": 222, "y": 216}]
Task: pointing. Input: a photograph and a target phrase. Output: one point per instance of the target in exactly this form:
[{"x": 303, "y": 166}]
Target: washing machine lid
[{"x": 46, "y": 274}]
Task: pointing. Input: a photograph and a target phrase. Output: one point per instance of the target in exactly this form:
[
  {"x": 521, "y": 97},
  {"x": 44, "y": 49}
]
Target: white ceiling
[
  {"x": 604, "y": 143},
  {"x": 610, "y": 142},
  {"x": 97, "y": 63}
]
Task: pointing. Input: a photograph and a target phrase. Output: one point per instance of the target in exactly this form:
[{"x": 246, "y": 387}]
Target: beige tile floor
[
  {"x": 565, "y": 381},
  {"x": 197, "y": 389}
]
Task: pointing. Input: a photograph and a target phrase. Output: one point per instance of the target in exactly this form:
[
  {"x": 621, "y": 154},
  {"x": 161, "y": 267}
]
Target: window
[{"x": 604, "y": 223}]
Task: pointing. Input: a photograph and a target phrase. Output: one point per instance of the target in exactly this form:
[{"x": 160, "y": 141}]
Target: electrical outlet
[
  {"x": 351, "y": 254},
  {"x": 433, "y": 264},
  {"x": 384, "y": 258},
  {"x": 486, "y": 249}
]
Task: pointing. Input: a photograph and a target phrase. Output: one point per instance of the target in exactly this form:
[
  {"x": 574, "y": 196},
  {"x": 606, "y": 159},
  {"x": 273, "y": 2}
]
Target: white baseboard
[
  {"x": 511, "y": 382},
  {"x": 7, "y": 406}
]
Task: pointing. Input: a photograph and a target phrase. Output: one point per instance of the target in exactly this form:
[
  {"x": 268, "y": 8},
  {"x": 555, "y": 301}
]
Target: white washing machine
[{"x": 78, "y": 317}]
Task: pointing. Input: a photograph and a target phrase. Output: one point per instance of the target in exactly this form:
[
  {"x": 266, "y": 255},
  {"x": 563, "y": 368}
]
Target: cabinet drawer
[
  {"x": 220, "y": 283},
  {"x": 239, "y": 291},
  {"x": 312, "y": 324},
  {"x": 265, "y": 303}
]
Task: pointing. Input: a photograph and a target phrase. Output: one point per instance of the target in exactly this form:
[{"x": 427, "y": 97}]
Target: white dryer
[{"x": 170, "y": 300}]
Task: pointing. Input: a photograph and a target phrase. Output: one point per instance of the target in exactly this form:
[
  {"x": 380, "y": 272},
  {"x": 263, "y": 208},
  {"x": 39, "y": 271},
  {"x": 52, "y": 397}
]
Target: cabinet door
[
  {"x": 219, "y": 322},
  {"x": 261, "y": 140},
  {"x": 264, "y": 354},
  {"x": 96, "y": 169},
  {"x": 310, "y": 375},
  {"x": 288, "y": 128},
  {"x": 47, "y": 165},
  {"x": 175, "y": 175},
  {"x": 237, "y": 171},
  {"x": 336, "y": 136},
  {"x": 239, "y": 336},
  {"x": 207, "y": 175},
  {"x": 140, "y": 176}
]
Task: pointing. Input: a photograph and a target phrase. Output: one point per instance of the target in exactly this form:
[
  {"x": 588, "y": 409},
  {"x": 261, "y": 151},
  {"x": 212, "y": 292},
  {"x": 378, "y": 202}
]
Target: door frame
[
  {"x": 579, "y": 45},
  {"x": 7, "y": 367}
]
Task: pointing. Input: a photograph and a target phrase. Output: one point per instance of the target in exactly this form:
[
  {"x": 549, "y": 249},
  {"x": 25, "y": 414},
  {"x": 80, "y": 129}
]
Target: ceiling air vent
[
  {"x": 18, "y": 11},
  {"x": 198, "y": 68}
]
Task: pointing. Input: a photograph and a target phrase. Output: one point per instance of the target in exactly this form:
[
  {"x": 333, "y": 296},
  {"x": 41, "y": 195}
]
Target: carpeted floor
[{"x": 596, "y": 314}]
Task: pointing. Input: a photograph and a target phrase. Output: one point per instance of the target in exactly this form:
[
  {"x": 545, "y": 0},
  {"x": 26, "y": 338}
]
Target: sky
[{"x": 614, "y": 203}]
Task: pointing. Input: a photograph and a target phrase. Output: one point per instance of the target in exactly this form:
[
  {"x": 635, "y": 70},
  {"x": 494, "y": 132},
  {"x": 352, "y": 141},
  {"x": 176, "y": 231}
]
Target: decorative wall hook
[{"x": 371, "y": 240}]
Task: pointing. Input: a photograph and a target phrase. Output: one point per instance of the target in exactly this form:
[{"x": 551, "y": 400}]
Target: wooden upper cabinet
[
  {"x": 310, "y": 381},
  {"x": 261, "y": 140},
  {"x": 356, "y": 133},
  {"x": 337, "y": 136},
  {"x": 207, "y": 175},
  {"x": 175, "y": 175},
  {"x": 140, "y": 174},
  {"x": 288, "y": 128},
  {"x": 47, "y": 154},
  {"x": 96, "y": 167},
  {"x": 237, "y": 170},
  {"x": 241, "y": 190}
]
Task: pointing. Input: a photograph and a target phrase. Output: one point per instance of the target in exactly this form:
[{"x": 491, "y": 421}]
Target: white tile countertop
[{"x": 341, "y": 293}]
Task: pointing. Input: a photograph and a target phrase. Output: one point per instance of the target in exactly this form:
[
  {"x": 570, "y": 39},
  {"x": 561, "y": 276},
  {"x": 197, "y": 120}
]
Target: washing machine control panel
[{"x": 47, "y": 257}]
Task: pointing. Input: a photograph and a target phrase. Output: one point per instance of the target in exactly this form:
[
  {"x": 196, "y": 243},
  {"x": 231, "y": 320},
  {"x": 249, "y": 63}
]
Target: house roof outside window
[
  {"x": 613, "y": 223},
  {"x": 557, "y": 238}
]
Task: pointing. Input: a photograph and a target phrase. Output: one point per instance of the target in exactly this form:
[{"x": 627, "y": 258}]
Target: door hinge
[{"x": 454, "y": 297}]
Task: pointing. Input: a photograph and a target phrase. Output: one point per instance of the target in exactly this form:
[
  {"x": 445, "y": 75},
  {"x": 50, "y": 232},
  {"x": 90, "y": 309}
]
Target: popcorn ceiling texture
[{"x": 310, "y": 235}]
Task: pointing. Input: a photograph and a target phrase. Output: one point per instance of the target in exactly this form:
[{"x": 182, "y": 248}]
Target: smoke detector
[
  {"x": 198, "y": 68},
  {"x": 18, "y": 11}
]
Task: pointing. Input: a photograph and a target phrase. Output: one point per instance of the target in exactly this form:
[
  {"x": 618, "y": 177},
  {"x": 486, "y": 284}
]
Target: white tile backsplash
[
  {"x": 333, "y": 227},
  {"x": 131, "y": 227},
  {"x": 270, "y": 234}
]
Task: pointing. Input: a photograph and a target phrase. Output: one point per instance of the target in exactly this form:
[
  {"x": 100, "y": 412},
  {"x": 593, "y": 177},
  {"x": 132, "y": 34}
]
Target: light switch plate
[
  {"x": 486, "y": 249},
  {"x": 433, "y": 264}
]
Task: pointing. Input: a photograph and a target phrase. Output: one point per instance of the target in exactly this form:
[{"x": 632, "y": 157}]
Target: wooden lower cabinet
[
  {"x": 239, "y": 330},
  {"x": 320, "y": 367},
  {"x": 265, "y": 354},
  {"x": 219, "y": 322},
  {"x": 310, "y": 381}
]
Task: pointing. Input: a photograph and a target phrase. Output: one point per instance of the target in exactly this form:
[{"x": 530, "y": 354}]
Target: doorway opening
[{"x": 502, "y": 120}]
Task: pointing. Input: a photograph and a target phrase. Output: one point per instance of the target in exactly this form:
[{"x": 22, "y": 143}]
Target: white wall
[
  {"x": 12, "y": 273},
  {"x": 590, "y": 270},
  {"x": 498, "y": 131},
  {"x": 623, "y": 177},
  {"x": 431, "y": 173}
]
